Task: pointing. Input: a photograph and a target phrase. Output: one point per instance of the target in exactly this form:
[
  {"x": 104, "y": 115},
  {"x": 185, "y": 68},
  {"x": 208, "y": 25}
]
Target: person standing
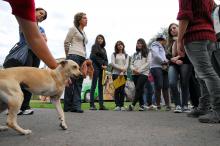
[
  {"x": 157, "y": 63},
  {"x": 179, "y": 68},
  {"x": 140, "y": 69},
  {"x": 197, "y": 38},
  {"x": 100, "y": 62},
  {"x": 119, "y": 62},
  {"x": 24, "y": 11},
  {"x": 32, "y": 61},
  {"x": 75, "y": 49}
]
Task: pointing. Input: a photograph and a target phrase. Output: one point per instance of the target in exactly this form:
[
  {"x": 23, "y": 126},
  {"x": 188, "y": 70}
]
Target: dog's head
[{"x": 69, "y": 68}]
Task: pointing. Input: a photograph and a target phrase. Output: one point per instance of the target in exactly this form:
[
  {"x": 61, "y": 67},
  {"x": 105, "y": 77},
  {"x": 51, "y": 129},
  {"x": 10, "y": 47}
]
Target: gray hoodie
[{"x": 158, "y": 55}]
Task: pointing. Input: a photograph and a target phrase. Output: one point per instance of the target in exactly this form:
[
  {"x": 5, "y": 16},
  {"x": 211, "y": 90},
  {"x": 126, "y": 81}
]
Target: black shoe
[
  {"x": 77, "y": 111},
  {"x": 196, "y": 112},
  {"x": 159, "y": 107},
  {"x": 66, "y": 110},
  {"x": 103, "y": 108},
  {"x": 130, "y": 107},
  {"x": 211, "y": 117},
  {"x": 93, "y": 108},
  {"x": 28, "y": 112}
]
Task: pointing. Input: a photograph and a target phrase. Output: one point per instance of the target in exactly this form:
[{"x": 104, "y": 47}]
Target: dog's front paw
[
  {"x": 26, "y": 132},
  {"x": 3, "y": 128},
  {"x": 63, "y": 126}
]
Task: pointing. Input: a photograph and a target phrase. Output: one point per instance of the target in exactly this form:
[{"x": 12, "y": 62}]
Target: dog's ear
[{"x": 63, "y": 63}]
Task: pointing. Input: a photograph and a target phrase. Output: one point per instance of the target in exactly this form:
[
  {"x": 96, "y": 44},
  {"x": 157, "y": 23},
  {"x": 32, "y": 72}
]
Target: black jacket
[{"x": 99, "y": 56}]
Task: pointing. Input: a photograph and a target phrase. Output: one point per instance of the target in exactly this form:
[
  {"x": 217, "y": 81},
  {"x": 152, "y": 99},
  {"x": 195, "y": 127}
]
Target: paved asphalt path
[{"x": 111, "y": 128}]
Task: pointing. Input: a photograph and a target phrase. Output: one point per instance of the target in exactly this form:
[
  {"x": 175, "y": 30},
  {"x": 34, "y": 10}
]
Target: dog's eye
[{"x": 74, "y": 67}]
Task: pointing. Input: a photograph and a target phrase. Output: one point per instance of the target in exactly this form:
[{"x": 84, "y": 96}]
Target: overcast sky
[{"x": 126, "y": 20}]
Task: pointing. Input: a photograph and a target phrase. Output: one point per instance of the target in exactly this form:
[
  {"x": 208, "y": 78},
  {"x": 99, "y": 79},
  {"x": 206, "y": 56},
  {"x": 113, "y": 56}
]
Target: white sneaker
[
  {"x": 20, "y": 112},
  {"x": 141, "y": 108},
  {"x": 5, "y": 112},
  {"x": 28, "y": 112},
  {"x": 151, "y": 107},
  {"x": 117, "y": 108},
  {"x": 178, "y": 109},
  {"x": 123, "y": 108},
  {"x": 186, "y": 109}
]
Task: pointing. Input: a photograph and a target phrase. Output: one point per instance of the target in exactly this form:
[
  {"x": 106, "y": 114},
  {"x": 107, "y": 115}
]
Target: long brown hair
[
  {"x": 170, "y": 36},
  {"x": 96, "y": 40},
  {"x": 144, "y": 49},
  {"x": 116, "y": 47}
]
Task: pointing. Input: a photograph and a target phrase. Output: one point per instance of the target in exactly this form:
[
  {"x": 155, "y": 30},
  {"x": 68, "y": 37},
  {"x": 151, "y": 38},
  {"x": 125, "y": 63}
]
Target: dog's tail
[{"x": 87, "y": 69}]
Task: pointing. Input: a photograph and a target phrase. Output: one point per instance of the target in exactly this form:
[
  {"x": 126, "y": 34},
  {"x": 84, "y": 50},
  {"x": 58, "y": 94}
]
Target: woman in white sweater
[
  {"x": 119, "y": 62},
  {"x": 75, "y": 49}
]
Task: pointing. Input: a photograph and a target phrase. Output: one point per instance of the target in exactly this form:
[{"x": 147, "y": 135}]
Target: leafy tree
[{"x": 163, "y": 30}]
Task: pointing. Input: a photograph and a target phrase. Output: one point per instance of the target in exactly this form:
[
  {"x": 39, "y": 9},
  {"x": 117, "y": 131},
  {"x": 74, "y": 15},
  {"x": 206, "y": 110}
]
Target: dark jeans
[
  {"x": 199, "y": 53},
  {"x": 160, "y": 83},
  {"x": 182, "y": 72},
  {"x": 72, "y": 95},
  {"x": 216, "y": 60},
  {"x": 119, "y": 94},
  {"x": 194, "y": 89},
  {"x": 96, "y": 76},
  {"x": 32, "y": 61},
  {"x": 139, "y": 81},
  {"x": 148, "y": 93}
]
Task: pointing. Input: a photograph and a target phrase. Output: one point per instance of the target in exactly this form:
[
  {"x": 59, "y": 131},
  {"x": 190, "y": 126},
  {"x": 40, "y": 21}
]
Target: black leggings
[{"x": 139, "y": 81}]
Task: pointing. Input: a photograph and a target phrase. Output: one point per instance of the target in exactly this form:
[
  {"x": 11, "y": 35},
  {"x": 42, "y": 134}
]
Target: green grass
[{"x": 85, "y": 106}]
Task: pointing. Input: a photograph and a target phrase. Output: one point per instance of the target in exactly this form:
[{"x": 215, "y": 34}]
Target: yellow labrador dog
[{"x": 37, "y": 81}]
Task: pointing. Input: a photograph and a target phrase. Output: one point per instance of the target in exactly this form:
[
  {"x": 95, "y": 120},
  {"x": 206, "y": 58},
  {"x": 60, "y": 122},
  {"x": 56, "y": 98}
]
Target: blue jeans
[
  {"x": 72, "y": 96},
  {"x": 148, "y": 93},
  {"x": 96, "y": 76},
  {"x": 199, "y": 53},
  {"x": 160, "y": 84},
  {"x": 183, "y": 72}
]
